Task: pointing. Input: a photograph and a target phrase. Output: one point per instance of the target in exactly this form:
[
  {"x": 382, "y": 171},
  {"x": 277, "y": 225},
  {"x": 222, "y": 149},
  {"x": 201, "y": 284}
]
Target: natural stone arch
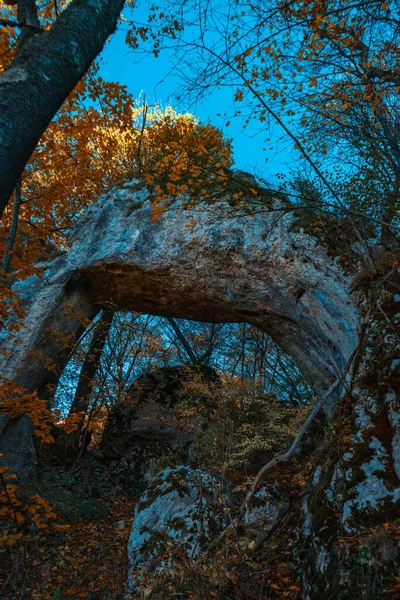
[
  {"x": 214, "y": 265},
  {"x": 208, "y": 263}
]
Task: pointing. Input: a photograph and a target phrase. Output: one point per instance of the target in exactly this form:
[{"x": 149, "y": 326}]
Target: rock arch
[{"x": 205, "y": 264}]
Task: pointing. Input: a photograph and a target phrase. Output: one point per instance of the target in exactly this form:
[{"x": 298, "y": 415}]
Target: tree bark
[
  {"x": 13, "y": 229},
  {"x": 28, "y": 19},
  {"x": 45, "y": 71},
  {"x": 182, "y": 339}
]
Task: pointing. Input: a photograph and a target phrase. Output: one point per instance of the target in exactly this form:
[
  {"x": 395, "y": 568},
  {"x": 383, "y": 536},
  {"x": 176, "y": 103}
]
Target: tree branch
[{"x": 296, "y": 442}]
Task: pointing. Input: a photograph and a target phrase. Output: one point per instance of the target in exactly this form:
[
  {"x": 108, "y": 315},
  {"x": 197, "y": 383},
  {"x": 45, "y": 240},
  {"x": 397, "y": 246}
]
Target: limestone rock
[
  {"x": 215, "y": 266},
  {"x": 355, "y": 489},
  {"x": 17, "y": 448},
  {"x": 181, "y": 508},
  {"x": 148, "y": 413}
]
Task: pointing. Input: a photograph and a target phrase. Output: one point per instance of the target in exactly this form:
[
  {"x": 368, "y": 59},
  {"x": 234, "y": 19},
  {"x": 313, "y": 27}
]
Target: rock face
[
  {"x": 181, "y": 508},
  {"x": 145, "y": 426},
  {"x": 351, "y": 546},
  {"x": 189, "y": 264},
  {"x": 16, "y": 434}
]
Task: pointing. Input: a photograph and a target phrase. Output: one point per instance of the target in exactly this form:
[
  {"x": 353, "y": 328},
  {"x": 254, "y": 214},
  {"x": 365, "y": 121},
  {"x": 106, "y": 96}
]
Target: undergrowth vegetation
[{"x": 72, "y": 541}]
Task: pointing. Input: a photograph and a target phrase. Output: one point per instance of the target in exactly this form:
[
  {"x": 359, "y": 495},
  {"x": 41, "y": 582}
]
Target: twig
[
  {"x": 201, "y": 519},
  {"x": 303, "y": 429}
]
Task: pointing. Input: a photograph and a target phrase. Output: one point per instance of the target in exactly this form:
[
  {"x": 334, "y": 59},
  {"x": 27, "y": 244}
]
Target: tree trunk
[
  {"x": 8, "y": 254},
  {"x": 80, "y": 404},
  {"x": 91, "y": 363},
  {"x": 183, "y": 340},
  {"x": 44, "y": 72}
]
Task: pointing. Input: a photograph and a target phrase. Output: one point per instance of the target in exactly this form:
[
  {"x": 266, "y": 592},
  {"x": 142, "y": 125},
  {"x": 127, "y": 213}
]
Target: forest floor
[
  {"x": 80, "y": 553},
  {"x": 79, "y": 548}
]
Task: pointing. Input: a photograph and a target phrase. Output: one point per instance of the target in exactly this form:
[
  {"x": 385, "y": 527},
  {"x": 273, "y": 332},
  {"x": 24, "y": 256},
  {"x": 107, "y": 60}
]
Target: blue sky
[{"x": 150, "y": 76}]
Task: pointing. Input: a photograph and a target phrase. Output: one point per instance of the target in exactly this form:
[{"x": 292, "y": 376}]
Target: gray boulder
[{"x": 182, "y": 508}]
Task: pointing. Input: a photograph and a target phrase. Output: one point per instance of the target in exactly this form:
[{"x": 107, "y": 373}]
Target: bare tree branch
[
  {"x": 182, "y": 339},
  {"x": 296, "y": 442}
]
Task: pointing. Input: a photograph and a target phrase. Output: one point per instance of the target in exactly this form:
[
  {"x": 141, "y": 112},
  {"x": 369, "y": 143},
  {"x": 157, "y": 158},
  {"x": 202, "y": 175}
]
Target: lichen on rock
[{"x": 181, "y": 509}]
